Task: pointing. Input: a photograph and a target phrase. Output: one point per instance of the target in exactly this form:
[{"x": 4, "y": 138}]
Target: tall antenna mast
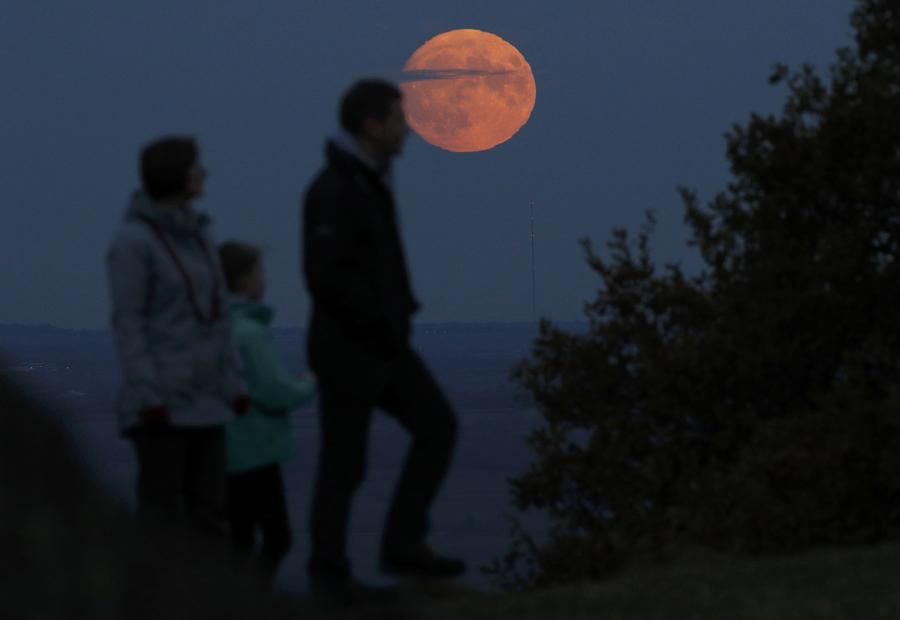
[{"x": 533, "y": 294}]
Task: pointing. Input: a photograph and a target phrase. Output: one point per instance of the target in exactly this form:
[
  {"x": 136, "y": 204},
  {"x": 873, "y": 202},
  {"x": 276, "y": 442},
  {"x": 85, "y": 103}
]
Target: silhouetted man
[{"x": 359, "y": 345}]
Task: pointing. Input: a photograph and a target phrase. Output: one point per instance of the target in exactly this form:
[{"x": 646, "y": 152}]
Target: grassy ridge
[{"x": 861, "y": 584}]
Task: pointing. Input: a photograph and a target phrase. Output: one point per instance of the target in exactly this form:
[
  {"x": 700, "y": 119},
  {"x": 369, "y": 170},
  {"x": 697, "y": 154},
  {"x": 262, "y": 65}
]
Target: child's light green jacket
[{"x": 263, "y": 435}]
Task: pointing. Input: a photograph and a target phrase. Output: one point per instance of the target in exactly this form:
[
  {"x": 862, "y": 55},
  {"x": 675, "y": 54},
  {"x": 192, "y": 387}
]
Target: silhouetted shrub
[{"x": 755, "y": 406}]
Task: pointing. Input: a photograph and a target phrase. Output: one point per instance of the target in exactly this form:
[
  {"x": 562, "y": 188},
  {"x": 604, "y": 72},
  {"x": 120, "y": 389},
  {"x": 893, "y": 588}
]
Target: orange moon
[{"x": 467, "y": 90}]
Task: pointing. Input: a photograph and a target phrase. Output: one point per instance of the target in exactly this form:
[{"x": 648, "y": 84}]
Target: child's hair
[{"x": 238, "y": 259}]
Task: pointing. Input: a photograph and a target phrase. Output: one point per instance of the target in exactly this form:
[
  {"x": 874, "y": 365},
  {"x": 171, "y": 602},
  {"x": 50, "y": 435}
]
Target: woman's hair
[
  {"x": 367, "y": 99},
  {"x": 238, "y": 259},
  {"x": 165, "y": 164}
]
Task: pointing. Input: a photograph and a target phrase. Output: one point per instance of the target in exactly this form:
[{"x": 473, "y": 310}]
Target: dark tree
[{"x": 754, "y": 407}]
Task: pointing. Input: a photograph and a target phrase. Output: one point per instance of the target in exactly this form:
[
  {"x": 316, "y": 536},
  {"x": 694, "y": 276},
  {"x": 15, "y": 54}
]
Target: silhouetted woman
[{"x": 180, "y": 380}]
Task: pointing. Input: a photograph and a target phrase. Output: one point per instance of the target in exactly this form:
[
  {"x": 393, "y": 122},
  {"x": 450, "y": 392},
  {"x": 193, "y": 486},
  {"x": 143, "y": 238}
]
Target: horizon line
[{"x": 298, "y": 327}]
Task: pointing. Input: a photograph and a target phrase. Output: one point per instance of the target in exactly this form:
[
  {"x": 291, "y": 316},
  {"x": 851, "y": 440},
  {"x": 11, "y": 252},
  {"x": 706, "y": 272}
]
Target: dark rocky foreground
[{"x": 69, "y": 551}]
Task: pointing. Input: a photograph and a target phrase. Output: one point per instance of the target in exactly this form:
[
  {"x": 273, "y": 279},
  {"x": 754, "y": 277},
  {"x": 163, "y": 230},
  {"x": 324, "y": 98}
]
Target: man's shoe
[{"x": 421, "y": 562}]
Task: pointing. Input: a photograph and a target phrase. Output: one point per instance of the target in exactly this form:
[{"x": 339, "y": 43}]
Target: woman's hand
[{"x": 155, "y": 417}]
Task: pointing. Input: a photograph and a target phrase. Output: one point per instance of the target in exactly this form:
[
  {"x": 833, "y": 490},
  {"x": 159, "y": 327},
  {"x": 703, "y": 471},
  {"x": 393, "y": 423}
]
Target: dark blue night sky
[{"x": 633, "y": 98}]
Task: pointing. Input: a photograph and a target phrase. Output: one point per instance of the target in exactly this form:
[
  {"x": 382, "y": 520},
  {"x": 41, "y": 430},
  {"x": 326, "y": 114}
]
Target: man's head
[
  {"x": 171, "y": 169},
  {"x": 372, "y": 110}
]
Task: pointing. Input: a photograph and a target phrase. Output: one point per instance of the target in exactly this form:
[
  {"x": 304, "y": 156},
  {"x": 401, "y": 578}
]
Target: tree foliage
[{"x": 756, "y": 406}]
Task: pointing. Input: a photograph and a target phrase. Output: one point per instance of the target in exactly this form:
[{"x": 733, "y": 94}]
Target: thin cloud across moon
[{"x": 467, "y": 90}]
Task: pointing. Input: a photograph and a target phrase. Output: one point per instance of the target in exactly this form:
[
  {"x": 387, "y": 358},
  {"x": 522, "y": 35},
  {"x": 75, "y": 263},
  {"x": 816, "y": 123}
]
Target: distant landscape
[{"x": 76, "y": 372}]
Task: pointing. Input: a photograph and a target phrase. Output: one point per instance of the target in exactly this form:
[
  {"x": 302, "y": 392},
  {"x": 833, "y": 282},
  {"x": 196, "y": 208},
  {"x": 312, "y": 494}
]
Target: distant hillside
[
  {"x": 47, "y": 343},
  {"x": 473, "y": 360}
]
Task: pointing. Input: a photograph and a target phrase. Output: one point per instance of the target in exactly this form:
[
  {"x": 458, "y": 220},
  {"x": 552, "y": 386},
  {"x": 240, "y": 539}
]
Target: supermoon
[{"x": 467, "y": 90}]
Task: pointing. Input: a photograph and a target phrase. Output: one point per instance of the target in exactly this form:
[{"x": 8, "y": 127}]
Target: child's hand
[{"x": 310, "y": 385}]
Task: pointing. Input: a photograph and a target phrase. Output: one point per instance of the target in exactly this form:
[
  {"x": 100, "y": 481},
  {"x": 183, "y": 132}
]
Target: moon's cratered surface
[{"x": 467, "y": 90}]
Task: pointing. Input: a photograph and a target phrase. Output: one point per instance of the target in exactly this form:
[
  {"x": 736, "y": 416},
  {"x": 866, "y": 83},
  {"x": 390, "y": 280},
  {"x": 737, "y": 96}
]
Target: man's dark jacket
[{"x": 354, "y": 266}]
